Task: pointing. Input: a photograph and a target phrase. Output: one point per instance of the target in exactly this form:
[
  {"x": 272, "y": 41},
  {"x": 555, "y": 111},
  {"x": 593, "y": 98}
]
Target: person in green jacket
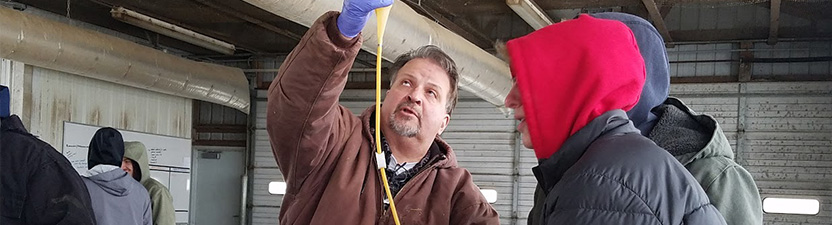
[{"x": 135, "y": 163}]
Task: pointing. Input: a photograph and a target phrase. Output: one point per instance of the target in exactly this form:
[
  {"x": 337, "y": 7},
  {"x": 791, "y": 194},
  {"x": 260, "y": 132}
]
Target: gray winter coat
[
  {"x": 608, "y": 173},
  {"x": 117, "y": 198}
]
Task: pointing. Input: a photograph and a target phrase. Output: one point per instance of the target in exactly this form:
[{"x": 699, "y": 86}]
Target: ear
[{"x": 445, "y": 121}]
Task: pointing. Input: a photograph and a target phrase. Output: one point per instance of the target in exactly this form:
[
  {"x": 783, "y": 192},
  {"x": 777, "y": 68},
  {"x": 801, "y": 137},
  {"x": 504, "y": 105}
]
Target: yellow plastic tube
[{"x": 381, "y": 15}]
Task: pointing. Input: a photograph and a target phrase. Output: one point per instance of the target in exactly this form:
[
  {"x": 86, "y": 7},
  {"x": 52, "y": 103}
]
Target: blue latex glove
[{"x": 354, "y": 15}]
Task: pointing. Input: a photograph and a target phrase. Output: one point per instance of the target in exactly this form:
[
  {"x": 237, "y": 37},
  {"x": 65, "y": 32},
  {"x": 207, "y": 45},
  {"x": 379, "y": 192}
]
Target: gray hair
[{"x": 439, "y": 57}]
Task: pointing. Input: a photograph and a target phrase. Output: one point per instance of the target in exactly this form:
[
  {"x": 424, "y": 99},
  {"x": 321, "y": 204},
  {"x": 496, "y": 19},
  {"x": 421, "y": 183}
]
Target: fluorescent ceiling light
[
  {"x": 490, "y": 195},
  {"x": 170, "y": 30},
  {"x": 530, "y": 12},
  {"x": 791, "y": 206},
  {"x": 277, "y": 188}
]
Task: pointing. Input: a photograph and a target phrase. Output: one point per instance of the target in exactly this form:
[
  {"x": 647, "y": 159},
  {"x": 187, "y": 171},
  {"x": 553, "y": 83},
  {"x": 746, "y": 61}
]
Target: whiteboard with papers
[
  {"x": 169, "y": 159},
  {"x": 162, "y": 150}
]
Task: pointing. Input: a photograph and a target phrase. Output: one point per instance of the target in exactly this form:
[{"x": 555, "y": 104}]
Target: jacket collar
[
  {"x": 13, "y": 123},
  {"x": 551, "y": 170},
  {"x": 718, "y": 144}
]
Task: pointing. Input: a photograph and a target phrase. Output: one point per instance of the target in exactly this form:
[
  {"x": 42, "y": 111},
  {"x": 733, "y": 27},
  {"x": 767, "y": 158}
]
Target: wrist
[{"x": 350, "y": 25}]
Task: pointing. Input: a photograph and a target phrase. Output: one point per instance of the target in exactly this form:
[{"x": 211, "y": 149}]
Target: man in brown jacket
[{"x": 327, "y": 155}]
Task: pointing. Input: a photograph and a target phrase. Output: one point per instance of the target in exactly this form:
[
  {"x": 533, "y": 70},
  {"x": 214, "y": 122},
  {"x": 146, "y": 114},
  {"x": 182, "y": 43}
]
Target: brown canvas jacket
[{"x": 326, "y": 153}]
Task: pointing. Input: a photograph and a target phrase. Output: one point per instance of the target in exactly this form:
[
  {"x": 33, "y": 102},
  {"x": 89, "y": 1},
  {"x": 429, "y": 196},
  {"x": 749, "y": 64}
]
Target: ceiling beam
[
  {"x": 530, "y": 12},
  {"x": 665, "y": 9},
  {"x": 576, "y": 4},
  {"x": 241, "y": 15},
  {"x": 658, "y": 21},
  {"x": 471, "y": 34},
  {"x": 774, "y": 24},
  {"x": 748, "y": 33}
]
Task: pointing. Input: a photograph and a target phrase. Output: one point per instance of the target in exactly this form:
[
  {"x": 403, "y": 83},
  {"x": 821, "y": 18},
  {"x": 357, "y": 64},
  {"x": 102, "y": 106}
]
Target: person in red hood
[{"x": 573, "y": 82}]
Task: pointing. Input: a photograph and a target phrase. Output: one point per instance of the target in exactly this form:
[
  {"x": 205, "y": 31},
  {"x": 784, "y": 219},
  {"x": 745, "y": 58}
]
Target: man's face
[
  {"x": 514, "y": 100},
  {"x": 127, "y": 165},
  {"x": 415, "y": 104}
]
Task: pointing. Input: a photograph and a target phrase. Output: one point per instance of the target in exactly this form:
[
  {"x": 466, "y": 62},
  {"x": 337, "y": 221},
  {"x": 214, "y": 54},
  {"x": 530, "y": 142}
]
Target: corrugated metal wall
[
  {"x": 58, "y": 97},
  {"x": 482, "y": 137},
  {"x": 265, "y": 207},
  {"x": 219, "y": 125},
  {"x": 782, "y": 134},
  {"x": 5, "y": 70}
]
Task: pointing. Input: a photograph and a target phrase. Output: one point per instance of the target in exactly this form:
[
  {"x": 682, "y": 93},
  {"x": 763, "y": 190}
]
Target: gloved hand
[{"x": 354, "y": 15}]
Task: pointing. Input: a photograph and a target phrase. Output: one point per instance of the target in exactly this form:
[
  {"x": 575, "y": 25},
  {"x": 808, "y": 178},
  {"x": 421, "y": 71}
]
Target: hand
[{"x": 354, "y": 15}]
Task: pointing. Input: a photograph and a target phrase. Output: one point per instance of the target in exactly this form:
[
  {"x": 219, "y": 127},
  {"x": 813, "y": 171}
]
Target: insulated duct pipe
[
  {"x": 54, "y": 45},
  {"x": 480, "y": 72}
]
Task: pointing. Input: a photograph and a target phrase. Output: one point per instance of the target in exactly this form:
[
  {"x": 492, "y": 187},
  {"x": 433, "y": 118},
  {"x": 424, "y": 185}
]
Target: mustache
[{"x": 412, "y": 105}]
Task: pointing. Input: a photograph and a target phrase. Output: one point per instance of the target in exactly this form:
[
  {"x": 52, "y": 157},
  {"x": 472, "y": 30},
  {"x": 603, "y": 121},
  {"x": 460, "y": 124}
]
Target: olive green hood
[{"x": 136, "y": 151}]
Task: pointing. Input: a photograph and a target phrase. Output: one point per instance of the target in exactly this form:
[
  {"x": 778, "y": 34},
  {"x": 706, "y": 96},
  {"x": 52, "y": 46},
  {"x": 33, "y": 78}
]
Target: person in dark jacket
[
  {"x": 573, "y": 82},
  {"x": 117, "y": 197},
  {"x": 39, "y": 185},
  {"x": 696, "y": 140}
]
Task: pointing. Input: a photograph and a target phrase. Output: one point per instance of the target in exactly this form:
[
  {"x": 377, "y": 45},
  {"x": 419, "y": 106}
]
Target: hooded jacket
[
  {"x": 657, "y": 82},
  {"x": 576, "y": 78},
  {"x": 327, "y": 157},
  {"x": 696, "y": 140},
  {"x": 117, "y": 198},
  {"x": 106, "y": 147},
  {"x": 161, "y": 201},
  {"x": 39, "y": 185}
]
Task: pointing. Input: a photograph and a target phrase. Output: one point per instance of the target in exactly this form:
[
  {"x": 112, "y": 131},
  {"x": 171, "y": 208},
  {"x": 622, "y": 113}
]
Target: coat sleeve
[
  {"x": 304, "y": 118},
  {"x": 537, "y": 205},
  {"x": 59, "y": 196},
  {"x": 162, "y": 205},
  {"x": 705, "y": 215},
  {"x": 736, "y": 196},
  {"x": 147, "y": 217},
  {"x": 478, "y": 214},
  {"x": 470, "y": 207}
]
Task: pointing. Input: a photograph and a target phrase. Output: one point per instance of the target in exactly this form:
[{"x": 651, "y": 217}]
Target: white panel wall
[
  {"x": 5, "y": 71},
  {"x": 265, "y": 206},
  {"x": 483, "y": 139},
  {"x": 58, "y": 96},
  {"x": 527, "y": 183},
  {"x": 18, "y": 79}
]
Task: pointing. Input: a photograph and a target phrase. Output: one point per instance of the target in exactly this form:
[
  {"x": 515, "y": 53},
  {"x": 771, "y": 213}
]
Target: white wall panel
[{"x": 59, "y": 97}]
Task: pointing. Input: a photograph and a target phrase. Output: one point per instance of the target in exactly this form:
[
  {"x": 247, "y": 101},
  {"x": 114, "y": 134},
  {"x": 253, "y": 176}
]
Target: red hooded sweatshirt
[{"x": 570, "y": 73}]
